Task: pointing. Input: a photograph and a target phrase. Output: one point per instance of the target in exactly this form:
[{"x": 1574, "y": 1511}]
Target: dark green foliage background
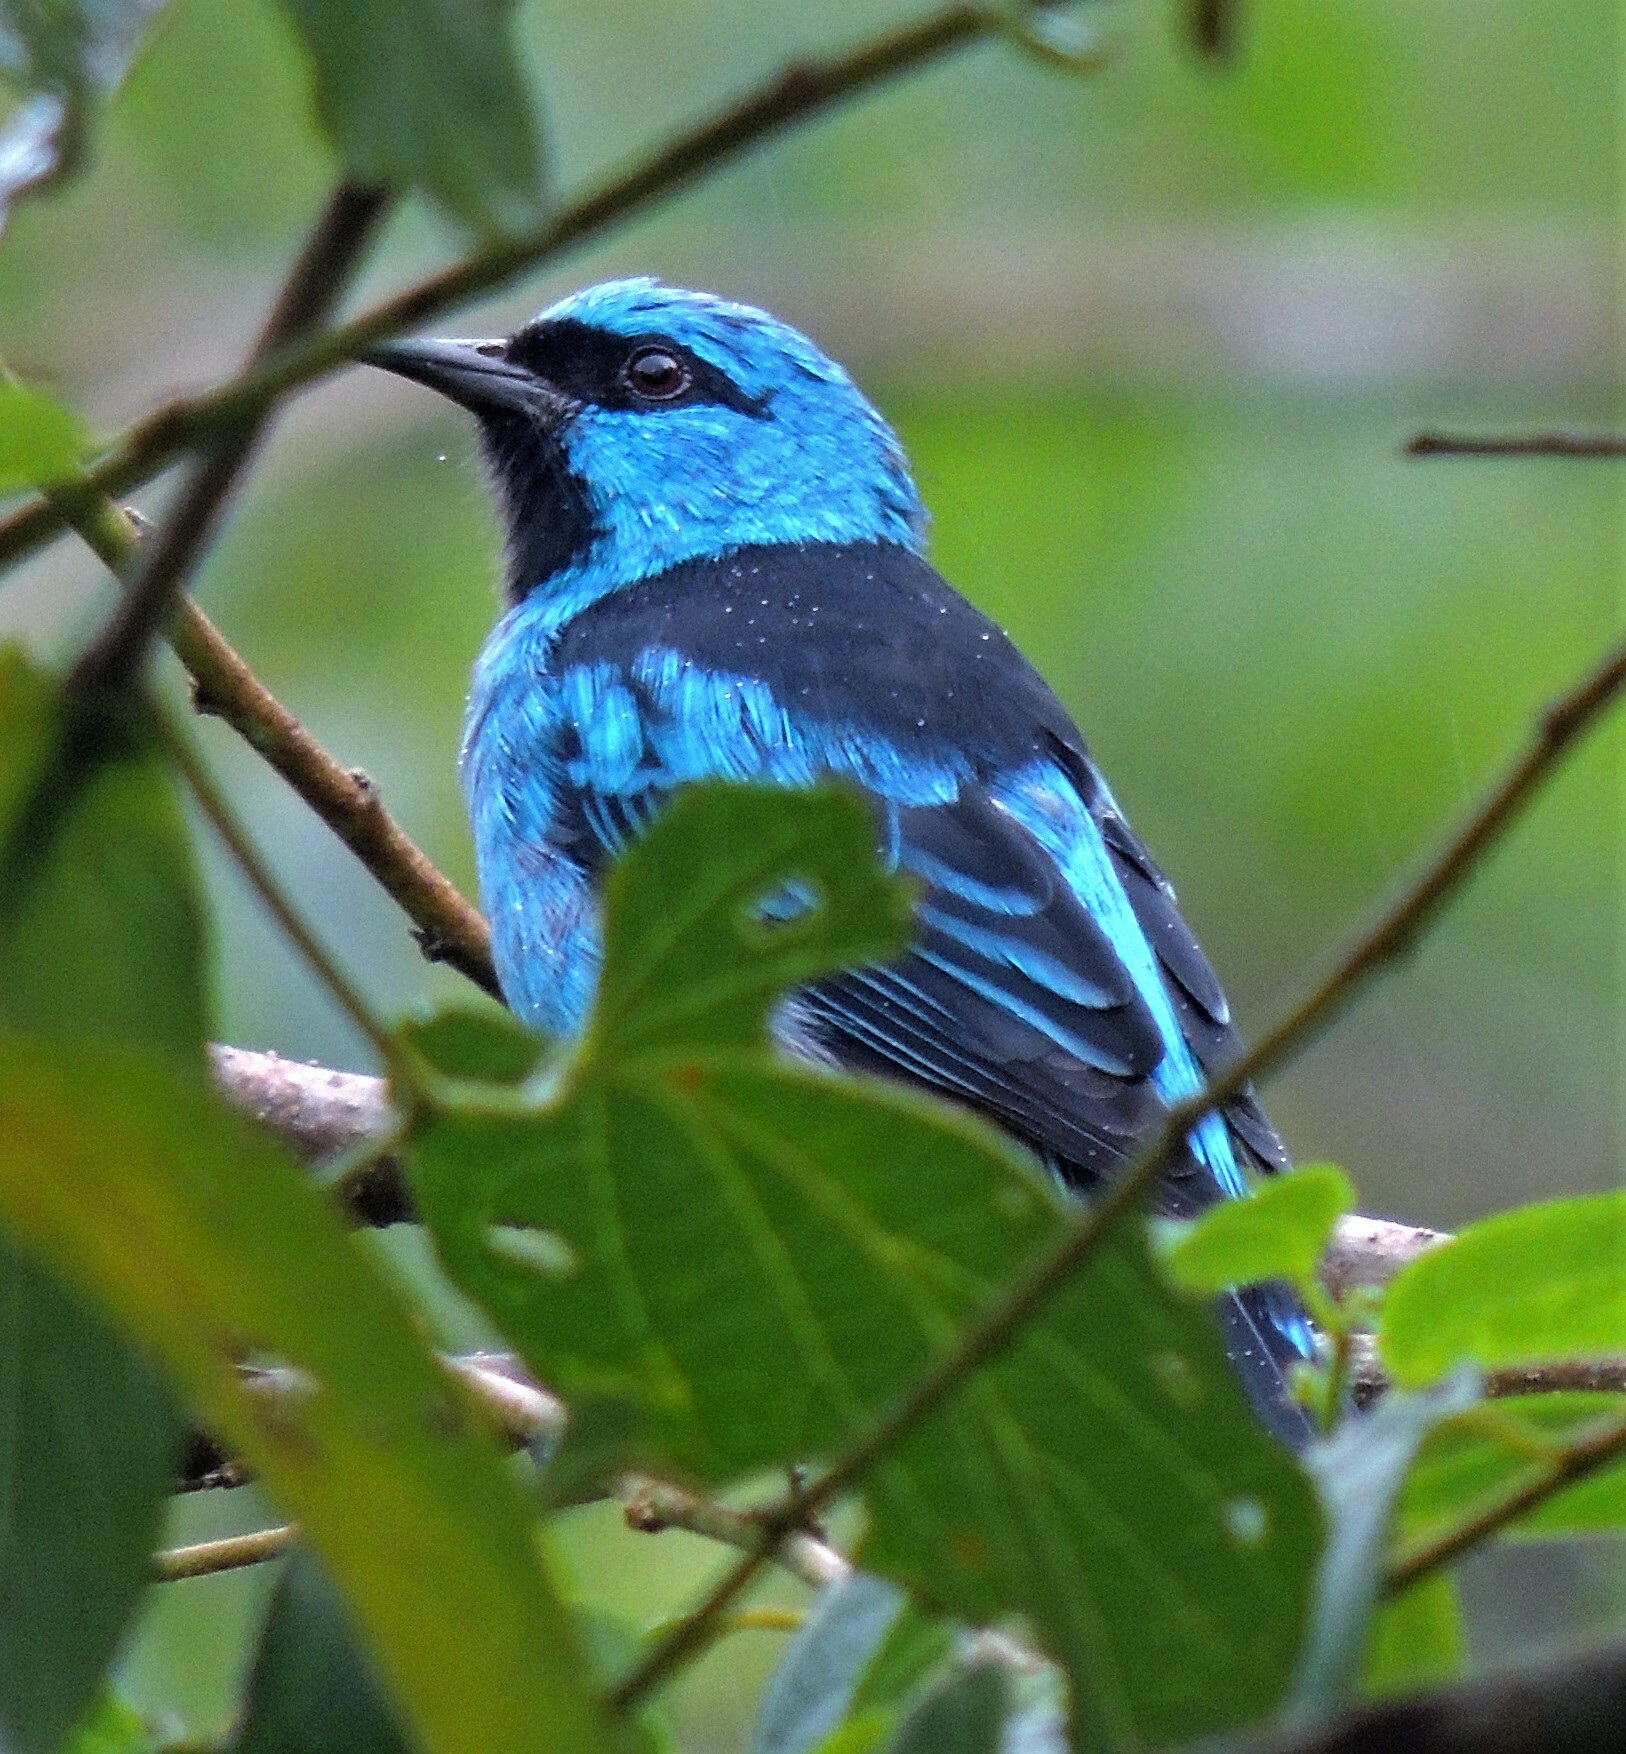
[{"x": 1297, "y": 654}]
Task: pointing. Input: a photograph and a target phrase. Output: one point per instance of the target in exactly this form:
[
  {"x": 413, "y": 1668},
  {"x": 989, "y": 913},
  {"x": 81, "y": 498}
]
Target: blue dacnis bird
[{"x": 716, "y": 570}]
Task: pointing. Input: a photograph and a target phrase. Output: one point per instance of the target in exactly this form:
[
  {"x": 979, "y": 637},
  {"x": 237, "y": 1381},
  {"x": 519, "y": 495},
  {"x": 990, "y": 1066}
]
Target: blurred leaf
[
  {"x": 66, "y": 55},
  {"x": 111, "y": 1728},
  {"x": 1540, "y": 1283},
  {"x": 210, "y": 1244},
  {"x": 99, "y": 938},
  {"x": 914, "y": 1646},
  {"x": 1470, "y": 1461},
  {"x": 487, "y": 1046},
  {"x": 863, "y": 1732},
  {"x": 313, "y": 1689},
  {"x": 765, "y": 1256},
  {"x": 1360, "y": 1471},
  {"x": 101, "y": 929},
  {"x": 963, "y": 1714},
  {"x": 429, "y": 94},
  {"x": 810, "y": 1691},
  {"x": 41, "y": 440},
  {"x": 1418, "y": 1639},
  {"x": 1280, "y": 1232},
  {"x": 88, "y": 1446}
]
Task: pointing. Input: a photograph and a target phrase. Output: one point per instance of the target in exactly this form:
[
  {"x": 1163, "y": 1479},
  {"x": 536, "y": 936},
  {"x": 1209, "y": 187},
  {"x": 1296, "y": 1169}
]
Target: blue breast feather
[{"x": 1052, "y": 983}]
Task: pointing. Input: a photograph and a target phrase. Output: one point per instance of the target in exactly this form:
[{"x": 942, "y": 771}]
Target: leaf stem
[{"x": 1394, "y": 934}]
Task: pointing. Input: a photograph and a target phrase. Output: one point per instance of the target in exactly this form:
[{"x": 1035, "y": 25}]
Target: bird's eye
[{"x": 656, "y": 375}]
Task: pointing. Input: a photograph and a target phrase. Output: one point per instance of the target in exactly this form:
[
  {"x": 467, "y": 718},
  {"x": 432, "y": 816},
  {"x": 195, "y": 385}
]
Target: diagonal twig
[
  {"x": 1533, "y": 444},
  {"x": 806, "y": 89},
  {"x": 311, "y": 292},
  {"x": 1386, "y": 942},
  {"x": 448, "y": 927}
]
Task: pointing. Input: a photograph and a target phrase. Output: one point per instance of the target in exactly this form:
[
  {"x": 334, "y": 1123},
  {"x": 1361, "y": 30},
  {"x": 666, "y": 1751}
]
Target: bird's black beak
[{"x": 478, "y": 375}]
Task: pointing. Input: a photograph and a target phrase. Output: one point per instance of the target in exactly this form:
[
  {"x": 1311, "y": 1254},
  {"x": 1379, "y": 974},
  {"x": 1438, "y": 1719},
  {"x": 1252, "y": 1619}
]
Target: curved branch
[{"x": 448, "y": 927}]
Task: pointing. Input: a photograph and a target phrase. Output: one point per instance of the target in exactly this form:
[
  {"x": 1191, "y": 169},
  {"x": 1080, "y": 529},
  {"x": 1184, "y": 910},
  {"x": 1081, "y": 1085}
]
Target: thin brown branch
[
  {"x": 231, "y": 1553},
  {"x": 653, "y": 1506},
  {"x": 1533, "y": 444},
  {"x": 309, "y": 296},
  {"x": 807, "y": 89},
  {"x": 1389, "y": 940},
  {"x": 449, "y": 928},
  {"x": 1599, "y": 1446}
]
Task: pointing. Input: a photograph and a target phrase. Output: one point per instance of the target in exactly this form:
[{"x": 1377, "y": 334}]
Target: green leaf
[
  {"x": 313, "y": 1689},
  {"x": 692, "y": 963},
  {"x": 485, "y": 1046},
  {"x": 88, "y": 1446},
  {"x": 101, "y": 926},
  {"x": 810, "y": 1691},
  {"x": 1361, "y": 1470},
  {"x": 1280, "y": 1232},
  {"x": 111, "y": 1728},
  {"x": 962, "y": 1714},
  {"x": 1540, "y": 1283},
  {"x": 209, "y": 1243},
  {"x": 1474, "y": 1460},
  {"x": 429, "y": 94},
  {"x": 41, "y": 440},
  {"x": 66, "y": 56},
  {"x": 765, "y": 1256},
  {"x": 1418, "y": 1639},
  {"x": 99, "y": 937}
]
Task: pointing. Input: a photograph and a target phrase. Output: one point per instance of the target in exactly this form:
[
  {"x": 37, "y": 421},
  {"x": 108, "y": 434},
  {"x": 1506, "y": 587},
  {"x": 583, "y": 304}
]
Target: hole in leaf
[
  {"x": 543, "y": 1251},
  {"x": 790, "y": 904},
  {"x": 1247, "y": 1521}
]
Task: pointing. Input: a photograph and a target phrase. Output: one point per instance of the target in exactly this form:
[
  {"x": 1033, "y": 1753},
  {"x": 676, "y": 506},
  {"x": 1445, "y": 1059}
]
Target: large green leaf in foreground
[
  {"x": 122, "y": 1172},
  {"x": 100, "y": 940},
  {"x": 206, "y": 1241},
  {"x": 762, "y": 1257}
]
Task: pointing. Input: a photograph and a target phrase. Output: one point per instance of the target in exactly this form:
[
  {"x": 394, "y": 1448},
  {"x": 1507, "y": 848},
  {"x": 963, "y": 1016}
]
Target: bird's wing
[{"x": 1051, "y": 984}]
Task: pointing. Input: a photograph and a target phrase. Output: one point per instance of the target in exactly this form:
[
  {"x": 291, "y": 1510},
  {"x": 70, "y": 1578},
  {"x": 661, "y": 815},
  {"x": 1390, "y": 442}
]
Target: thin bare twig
[
  {"x": 1535, "y": 444},
  {"x": 1389, "y": 940},
  {"x": 312, "y": 291},
  {"x": 653, "y": 1506},
  {"x": 1600, "y": 1445},
  {"x": 230, "y": 1553},
  {"x": 803, "y": 90}
]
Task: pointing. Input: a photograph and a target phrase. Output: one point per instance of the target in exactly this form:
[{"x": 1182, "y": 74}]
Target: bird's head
[{"x": 634, "y": 426}]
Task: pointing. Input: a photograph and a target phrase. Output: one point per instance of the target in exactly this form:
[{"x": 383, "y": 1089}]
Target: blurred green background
[{"x": 1155, "y": 339}]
